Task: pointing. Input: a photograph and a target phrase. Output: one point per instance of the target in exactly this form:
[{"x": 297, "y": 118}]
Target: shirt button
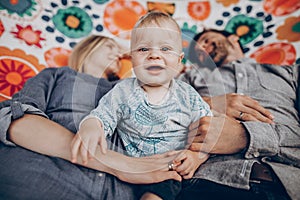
[
  {"x": 240, "y": 75},
  {"x": 100, "y": 174},
  {"x": 256, "y": 154}
]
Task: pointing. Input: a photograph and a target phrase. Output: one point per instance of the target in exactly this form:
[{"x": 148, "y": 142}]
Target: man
[{"x": 255, "y": 151}]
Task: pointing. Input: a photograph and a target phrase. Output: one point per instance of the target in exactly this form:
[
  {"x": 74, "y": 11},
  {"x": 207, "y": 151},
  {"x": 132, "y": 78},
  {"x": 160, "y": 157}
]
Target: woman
[{"x": 65, "y": 96}]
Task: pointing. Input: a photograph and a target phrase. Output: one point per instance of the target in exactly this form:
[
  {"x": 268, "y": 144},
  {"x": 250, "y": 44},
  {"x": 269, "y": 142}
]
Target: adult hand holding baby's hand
[
  {"x": 86, "y": 140},
  {"x": 187, "y": 162}
]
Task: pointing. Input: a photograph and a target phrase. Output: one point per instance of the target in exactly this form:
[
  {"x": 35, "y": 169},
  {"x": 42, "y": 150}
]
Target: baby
[{"x": 152, "y": 111}]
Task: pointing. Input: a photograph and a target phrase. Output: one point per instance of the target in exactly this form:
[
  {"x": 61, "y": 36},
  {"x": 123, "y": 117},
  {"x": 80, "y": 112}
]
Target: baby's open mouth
[{"x": 155, "y": 67}]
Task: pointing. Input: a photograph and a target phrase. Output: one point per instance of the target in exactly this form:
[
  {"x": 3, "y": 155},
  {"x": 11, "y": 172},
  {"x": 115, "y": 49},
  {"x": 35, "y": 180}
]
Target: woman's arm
[{"x": 47, "y": 137}]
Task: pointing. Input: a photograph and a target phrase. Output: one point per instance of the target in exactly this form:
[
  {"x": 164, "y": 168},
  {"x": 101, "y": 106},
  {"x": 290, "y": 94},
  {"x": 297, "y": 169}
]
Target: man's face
[{"x": 213, "y": 44}]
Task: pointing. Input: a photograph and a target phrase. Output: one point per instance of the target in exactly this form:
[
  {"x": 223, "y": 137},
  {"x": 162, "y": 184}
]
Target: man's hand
[
  {"x": 234, "y": 104},
  {"x": 234, "y": 50},
  {"x": 217, "y": 135}
]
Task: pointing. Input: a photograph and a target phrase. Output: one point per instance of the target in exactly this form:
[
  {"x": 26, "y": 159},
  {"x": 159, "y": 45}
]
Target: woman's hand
[
  {"x": 240, "y": 107},
  {"x": 86, "y": 140},
  {"x": 187, "y": 162},
  {"x": 218, "y": 135},
  {"x": 143, "y": 170}
]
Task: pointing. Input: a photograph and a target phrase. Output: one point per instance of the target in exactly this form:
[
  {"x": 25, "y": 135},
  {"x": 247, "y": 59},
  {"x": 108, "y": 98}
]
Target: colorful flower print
[
  {"x": 276, "y": 53},
  {"x": 188, "y": 34},
  {"x": 57, "y": 57},
  {"x": 247, "y": 28},
  {"x": 281, "y": 7},
  {"x": 73, "y": 22},
  {"x": 163, "y": 7},
  {"x": 290, "y": 30},
  {"x": 227, "y": 3},
  {"x": 2, "y": 29},
  {"x": 20, "y": 7},
  {"x": 29, "y": 36},
  {"x": 100, "y": 1},
  {"x": 199, "y": 10},
  {"x": 16, "y": 68},
  {"x": 121, "y": 16}
]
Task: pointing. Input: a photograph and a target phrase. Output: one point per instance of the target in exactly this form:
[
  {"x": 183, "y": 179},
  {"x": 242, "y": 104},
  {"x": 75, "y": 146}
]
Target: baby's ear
[{"x": 181, "y": 56}]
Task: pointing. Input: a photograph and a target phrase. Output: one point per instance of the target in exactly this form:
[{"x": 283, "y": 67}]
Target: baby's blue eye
[
  {"x": 143, "y": 49},
  {"x": 165, "y": 49}
]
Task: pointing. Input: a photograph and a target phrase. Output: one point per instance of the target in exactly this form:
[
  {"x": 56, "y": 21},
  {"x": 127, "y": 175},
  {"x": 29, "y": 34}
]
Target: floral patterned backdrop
[{"x": 36, "y": 34}]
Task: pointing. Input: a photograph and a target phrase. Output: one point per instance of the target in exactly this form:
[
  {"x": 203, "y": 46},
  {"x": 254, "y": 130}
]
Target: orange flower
[
  {"x": 276, "y": 53},
  {"x": 290, "y": 30},
  {"x": 57, "y": 57},
  {"x": 168, "y": 8},
  {"x": 199, "y": 10},
  {"x": 120, "y": 17},
  {"x": 16, "y": 67},
  {"x": 227, "y": 3},
  {"x": 281, "y": 7}
]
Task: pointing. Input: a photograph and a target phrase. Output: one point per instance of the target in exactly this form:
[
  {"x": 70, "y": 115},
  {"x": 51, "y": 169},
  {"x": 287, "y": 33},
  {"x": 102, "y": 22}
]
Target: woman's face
[{"x": 104, "y": 58}]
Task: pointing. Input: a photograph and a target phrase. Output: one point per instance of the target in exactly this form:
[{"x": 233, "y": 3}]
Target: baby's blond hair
[{"x": 157, "y": 19}]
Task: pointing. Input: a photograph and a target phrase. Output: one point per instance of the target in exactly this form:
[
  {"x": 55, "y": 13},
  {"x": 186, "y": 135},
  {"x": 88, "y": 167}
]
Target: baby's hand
[
  {"x": 86, "y": 140},
  {"x": 187, "y": 162}
]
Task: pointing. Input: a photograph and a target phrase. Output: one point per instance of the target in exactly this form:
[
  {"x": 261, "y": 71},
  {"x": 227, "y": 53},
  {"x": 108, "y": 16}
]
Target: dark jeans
[
  {"x": 167, "y": 190},
  {"x": 207, "y": 190},
  {"x": 28, "y": 175}
]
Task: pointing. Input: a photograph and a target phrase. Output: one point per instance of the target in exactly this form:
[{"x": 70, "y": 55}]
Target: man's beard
[
  {"x": 218, "y": 55},
  {"x": 206, "y": 60}
]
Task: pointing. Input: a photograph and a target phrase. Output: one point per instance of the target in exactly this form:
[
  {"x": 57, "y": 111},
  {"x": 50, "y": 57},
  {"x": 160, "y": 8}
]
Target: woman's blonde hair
[{"x": 84, "y": 49}]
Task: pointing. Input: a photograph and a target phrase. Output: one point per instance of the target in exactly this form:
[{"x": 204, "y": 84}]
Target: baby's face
[{"x": 156, "y": 54}]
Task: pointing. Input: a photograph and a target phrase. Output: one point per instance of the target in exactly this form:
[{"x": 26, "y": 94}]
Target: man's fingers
[
  {"x": 194, "y": 125},
  {"x": 172, "y": 175},
  {"x": 180, "y": 157},
  {"x": 199, "y": 138},
  {"x": 184, "y": 168},
  {"x": 249, "y": 102},
  {"x": 189, "y": 175},
  {"x": 196, "y": 147},
  {"x": 233, "y": 39},
  {"x": 250, "y": 114}
]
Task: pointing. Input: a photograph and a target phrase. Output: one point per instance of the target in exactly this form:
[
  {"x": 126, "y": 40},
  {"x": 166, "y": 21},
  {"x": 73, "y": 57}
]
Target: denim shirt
[
  {"x": 45, "y": 94},
  {"x": 278, "y": 145}
]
